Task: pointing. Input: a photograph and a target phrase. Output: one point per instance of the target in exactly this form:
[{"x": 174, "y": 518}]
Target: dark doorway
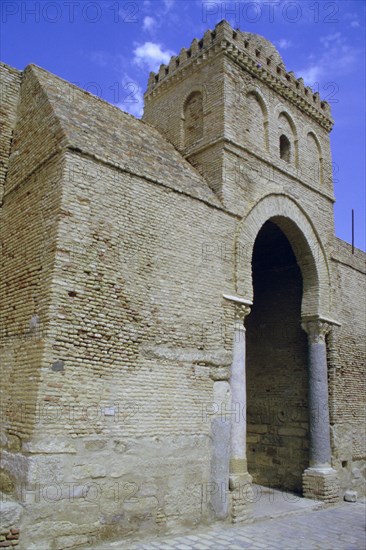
[{"x": 277, "y": 412}]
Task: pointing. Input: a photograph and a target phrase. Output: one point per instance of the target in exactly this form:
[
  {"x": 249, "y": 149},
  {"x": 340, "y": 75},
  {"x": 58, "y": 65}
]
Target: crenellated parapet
[{"x": 255, "y": 55}]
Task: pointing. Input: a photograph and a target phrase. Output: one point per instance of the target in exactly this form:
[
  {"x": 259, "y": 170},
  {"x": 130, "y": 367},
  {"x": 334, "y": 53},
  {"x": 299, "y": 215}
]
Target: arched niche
[
  {"x": 193, "y": 118},
  {"x": 257, "y": 120},
  {"x": 313, "y": 158},
  {"x": 288, "y": 145}
]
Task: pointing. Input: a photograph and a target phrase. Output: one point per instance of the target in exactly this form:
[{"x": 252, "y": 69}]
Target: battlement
[{"x": 256, "y": 55}]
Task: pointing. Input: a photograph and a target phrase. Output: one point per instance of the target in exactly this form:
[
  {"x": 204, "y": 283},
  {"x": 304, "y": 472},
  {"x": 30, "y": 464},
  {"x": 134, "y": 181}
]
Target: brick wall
[
  {"x": 123, "y": 360},
  {"x": 9, "y": 95},
  {"x": 346, "y": 352},
  {"x": 28, "y": 217}
]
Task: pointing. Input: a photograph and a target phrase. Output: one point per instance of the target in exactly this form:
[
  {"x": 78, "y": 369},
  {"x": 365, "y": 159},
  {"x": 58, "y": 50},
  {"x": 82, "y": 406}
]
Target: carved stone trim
[
  {"x": 241, "y": 311},
  {"x": 237, "y": 300},
  {"x": 316, "y": 330},
  {"x": 242, "y": 307}
]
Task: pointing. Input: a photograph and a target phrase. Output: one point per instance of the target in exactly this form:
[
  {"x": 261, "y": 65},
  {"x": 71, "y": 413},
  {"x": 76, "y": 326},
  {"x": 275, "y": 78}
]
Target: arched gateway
[{"x": 283, "y": 288}]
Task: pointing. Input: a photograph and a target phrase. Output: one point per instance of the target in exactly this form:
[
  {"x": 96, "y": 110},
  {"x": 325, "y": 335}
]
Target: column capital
[
  {"x": 318, "y": 327},
  {"x": 316, "y": 330},
  {"x": 242, "y": 306},
  {"x": 241, "y": 311}
]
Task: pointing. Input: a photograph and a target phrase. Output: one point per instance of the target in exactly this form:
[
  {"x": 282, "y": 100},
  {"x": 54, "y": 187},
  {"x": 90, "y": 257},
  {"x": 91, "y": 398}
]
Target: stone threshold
[{"x": 270, "y": 503}]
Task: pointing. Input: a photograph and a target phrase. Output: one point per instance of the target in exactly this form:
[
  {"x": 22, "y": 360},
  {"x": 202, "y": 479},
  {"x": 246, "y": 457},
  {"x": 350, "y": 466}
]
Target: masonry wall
[
  {"x": 28, "y": 214},
  {"x": 252, "y": 169},
  {"x": 165, "y": 110},
  {"x": 10, "y": 80},
  {"x": 119, "y": 371},
  {"x": 242, "y": 165},
  {"x": 347, "y": 368},
  {"x": 138, "y": 333}
]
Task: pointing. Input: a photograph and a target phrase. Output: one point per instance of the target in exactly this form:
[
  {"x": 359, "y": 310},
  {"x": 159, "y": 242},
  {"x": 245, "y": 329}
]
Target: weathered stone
[
  {"x": 6, "y": 483},
  {"x": 71, "y": 541},
  {"x": 350, "y": 496},
  {"x": 10, "y": 515},
  {"x": 217, "y": 489}
]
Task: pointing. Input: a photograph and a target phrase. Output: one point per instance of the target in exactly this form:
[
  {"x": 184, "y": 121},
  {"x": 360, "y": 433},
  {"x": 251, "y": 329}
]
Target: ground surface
[{"x": 338, "y": 528}]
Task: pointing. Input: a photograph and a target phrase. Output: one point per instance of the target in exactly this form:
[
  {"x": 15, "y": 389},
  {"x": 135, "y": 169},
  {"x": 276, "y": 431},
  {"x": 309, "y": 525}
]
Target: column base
[
  {"x": 241, "y": 498},
  {"x": 321, "y": 484}
]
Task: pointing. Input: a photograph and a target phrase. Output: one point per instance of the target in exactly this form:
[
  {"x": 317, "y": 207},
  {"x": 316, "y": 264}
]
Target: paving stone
[{"x": 339, "y": 528}]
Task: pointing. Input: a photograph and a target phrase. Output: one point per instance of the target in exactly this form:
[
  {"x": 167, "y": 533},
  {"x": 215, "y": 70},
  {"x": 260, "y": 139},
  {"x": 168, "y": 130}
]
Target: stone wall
[
  {"x": 131, "y": 356},
  {"x": 114, "y": 353},
  {"x": 10, "y": 79},
  {"x": 28, "y": 214},
  {"x": 9, "y": 538},
  {"x": 9, "y": 522},
  {"x": 347, "y": 368}
]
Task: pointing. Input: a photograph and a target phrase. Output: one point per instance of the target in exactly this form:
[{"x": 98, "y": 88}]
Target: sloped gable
[{"x": 101, "y": 130}]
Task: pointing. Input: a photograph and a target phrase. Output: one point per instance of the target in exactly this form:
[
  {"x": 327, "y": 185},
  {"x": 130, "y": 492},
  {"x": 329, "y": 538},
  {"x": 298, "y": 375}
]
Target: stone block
[
  {"x": 71, "y": 541},
  {"x": 350, "y": 496},
  {"x": 321, "y": 485},
  {"x": 11, "y": 513}
]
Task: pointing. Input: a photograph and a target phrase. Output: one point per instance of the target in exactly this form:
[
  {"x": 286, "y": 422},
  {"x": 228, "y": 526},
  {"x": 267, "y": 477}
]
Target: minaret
[{"x": 231, "y": 108}]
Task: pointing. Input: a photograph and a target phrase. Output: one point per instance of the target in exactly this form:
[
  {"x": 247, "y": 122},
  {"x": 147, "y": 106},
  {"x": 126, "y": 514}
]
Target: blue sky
[{"x": 108, "y": 47}]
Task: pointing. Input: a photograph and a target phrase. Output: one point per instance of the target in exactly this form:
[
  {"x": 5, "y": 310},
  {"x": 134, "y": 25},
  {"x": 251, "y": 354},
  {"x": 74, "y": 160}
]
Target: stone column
[
  {"x": 239, "y": 479},
  {"x": 320, "y": 480}
]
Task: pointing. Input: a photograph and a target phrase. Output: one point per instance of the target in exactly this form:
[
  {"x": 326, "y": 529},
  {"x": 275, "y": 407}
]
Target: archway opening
[{"x": 277, "y": 411}]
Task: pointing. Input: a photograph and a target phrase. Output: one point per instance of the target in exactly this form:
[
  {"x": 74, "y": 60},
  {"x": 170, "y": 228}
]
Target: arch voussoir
[{"x": 305, "y": 242}]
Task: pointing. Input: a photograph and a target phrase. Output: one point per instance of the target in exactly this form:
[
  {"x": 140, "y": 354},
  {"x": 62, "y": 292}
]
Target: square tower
[{"x": 250, "y": 127}]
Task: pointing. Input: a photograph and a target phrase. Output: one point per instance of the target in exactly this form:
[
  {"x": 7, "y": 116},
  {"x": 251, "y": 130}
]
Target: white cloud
[
  {"x": 353, "y": 18},
  {"x": 337, "y": 59},
  {"x": 312, "y": 74},
  {"x": 284, "y": 44},
  {"x": 151, "y": 55},
  {"x": 132, "y": 97},
  {"x": 100, "y": 58},
  {"x": 168, "y": 4},
  {"x": 162, "y": 14},
  {"x": 330, "y": 39},
  {"x": 149, "y": 23}
]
